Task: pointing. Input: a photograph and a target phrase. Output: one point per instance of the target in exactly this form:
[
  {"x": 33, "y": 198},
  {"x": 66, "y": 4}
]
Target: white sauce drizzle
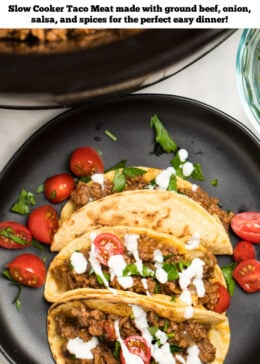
[
  {"x": 98, "y": 178},
  {"x": 193, "y": 242},
  {"x": 194, "y": 187},
  {"x": 116, "y": 265},
  {"x": 131, "y": 243},
  {"x": 79, "y": 262},
  {"x": 186, "y": 296},
  {"x": 193, "y": 355},
  {"x": 187, "y": 169},
  {"x": 188, "y": 312},
  {"x": 163, "y": 178},
  {"x": 183, "y": 154},
  {"x": 193, "y": 274},
  {"x": 82, "y": 349},
  {"x": 160, "y": 274}
]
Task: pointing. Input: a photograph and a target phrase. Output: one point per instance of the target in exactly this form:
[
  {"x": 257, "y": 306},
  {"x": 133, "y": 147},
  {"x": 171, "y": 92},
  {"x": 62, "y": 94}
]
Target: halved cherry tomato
[
  {"x": 14, "y": 235},
  {"x": 43, "y": 223},
  {"x": 243, "y": 250},
  {"x": 58, "y": 187},
  {"x": 85, "y": 161},
  {"x": 110, "y": 331},
  {"x": 247, "y": 275},
  {"x": 137, "y": 345},
  {"x": 106, "y": 245},
  {"x": 223, "y": 300},
  {"x": 247, "y": 226},
  {"x": 28, "y": 269}
]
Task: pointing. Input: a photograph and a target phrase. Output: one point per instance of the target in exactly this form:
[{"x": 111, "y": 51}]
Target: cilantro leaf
[
  {"x": 119, "y": 165},
  {"x": 133, "y": 172},
  {"x": 227, "y": 272},
  {"x": 171, "y": 270},
  {"x": 131, "y": 270},
  {"x": 25, "y": 201},
  {"x": 172, "y": 186},
  {"x": 119, "y": 181},
  {"x": 197, "y": 172},
  {"x": 162, "y": 137}
]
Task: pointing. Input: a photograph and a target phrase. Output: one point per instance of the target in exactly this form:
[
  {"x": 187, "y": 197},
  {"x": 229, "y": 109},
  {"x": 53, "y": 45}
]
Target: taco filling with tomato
[
  {"x": 140, "y": 261},
  {"x": 91, "y": 328}
]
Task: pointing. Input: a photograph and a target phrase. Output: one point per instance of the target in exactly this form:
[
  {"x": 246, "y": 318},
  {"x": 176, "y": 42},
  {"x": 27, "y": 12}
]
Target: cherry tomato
[
  {"x": 243, "y": 250},
  {"x": 247, "y": 275},
  {"x": 247, "y": 226},
  {"x": 43, "y": 223},
  {"x": 110, "y": 331},
  {"x": 223, "y": 300},
  {"x": 106, "y": 245},
  {"x": 59, "y": 187},
  {"x": 85, "y": 161},
  {"x": 28, "y": 269},
  {"x": 137, "y": 345},
  {"x": 14, "y": 235}
]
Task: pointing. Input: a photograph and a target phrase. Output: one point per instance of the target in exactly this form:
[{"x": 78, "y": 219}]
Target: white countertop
[{"x": 212, "y": 80}]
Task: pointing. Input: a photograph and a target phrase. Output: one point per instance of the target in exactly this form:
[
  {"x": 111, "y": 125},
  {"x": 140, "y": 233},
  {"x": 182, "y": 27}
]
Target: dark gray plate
[{"x": 226, "y": 150}]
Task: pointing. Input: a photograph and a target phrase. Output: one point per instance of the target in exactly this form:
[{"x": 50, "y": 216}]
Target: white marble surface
[{"x": 211, "y": 80}]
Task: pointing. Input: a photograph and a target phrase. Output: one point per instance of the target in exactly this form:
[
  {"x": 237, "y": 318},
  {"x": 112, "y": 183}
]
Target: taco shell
[
  {"x": 59, "y": 282},
  {"x": 163, "y": 211},
  {"x": 122, "y": 307}
]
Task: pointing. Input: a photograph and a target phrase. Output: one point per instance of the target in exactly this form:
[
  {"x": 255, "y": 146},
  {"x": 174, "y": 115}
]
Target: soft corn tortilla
[
  {"x": 163, "y": 211},
  {"x": 120, "y": 304},
  {"x": 53, "y": 290}
]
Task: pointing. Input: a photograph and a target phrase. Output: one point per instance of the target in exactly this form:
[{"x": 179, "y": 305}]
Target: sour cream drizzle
[
  {"x": 193, "y": 274},
  {"x": 79, "y": 262},
  {"x": 131, "y": 243},
  {"x": 117, "y": 265},
  {"x": 98, "y": 178},
  {"x": 193, "y": 242},
  {"x": 160, "y": 274},
  {"x": 163, "y": 178},
  {"x": 82, "y": 349}
]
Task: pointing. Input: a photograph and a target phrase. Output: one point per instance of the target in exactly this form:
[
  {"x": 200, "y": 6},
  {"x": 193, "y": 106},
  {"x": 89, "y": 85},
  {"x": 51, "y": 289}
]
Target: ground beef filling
[
  {"x": 85, "y": 323},
  {"x": 68, "y": 279},
  {"x": 85, "y": 193}
]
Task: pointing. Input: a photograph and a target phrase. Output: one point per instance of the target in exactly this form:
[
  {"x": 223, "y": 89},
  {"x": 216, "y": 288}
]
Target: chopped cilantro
[
  {"x": 100, "y": 279},
  {"x": 40, "y": 188},
  {"x": 171, "y": 270},
  {"x": 131, "y": 270},
  {"x": 116, "y": 352},
  {"x": 162, "y": 137},
  {"x": 214, "y": 182},
  {"x": 172, "y": 186},
  {"x": 25, "y": 201},
  {"x": 119, "y": 181},
  {"x": 227, "y": 272},
  {"x": 197, "y": 172},
  {"x": 111, "y": 135},
  {"x": 8, "y": 233},
  {"x": 16, "y": 300}
]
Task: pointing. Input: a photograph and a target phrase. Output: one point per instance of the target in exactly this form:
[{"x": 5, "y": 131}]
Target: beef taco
[
  {"x": 139, "y": 178},
  {"x": 137, "y": 260},
  {"x": 163, "y": 211},
  {"x": 92, "y": 327}
]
